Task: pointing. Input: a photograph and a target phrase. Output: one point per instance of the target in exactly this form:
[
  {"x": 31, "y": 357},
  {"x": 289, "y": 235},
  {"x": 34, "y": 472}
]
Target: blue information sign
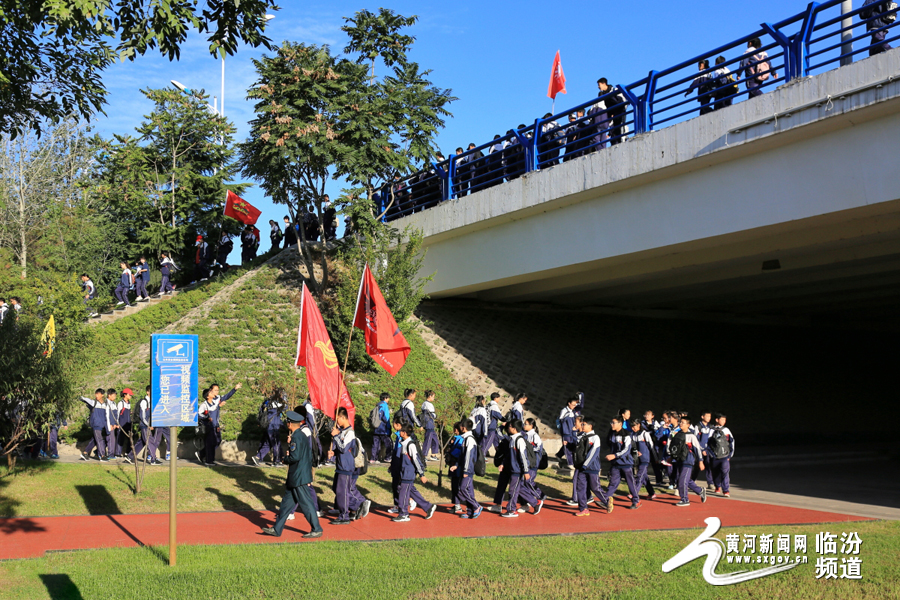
[{"x": 173, "y": 395}]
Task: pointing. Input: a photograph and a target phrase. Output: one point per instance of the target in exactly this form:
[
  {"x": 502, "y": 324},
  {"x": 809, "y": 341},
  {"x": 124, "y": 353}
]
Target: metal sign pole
[{"x": 173, "y": 543}]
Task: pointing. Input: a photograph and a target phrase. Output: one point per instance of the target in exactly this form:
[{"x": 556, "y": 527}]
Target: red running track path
[{"x": 33, "y": 536}]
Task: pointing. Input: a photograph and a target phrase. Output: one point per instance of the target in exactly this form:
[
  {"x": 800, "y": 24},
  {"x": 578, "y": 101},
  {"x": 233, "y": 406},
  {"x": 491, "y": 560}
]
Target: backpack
[
  {"x": 678, "y": 448},
  {"x": 543, "y": 462},
  {"x": 263, "y": 417},
  {"x": 415, "y": 442},
  {"x": 375, "y": 417},
  {"x": 501, "y": 452},
  {"x": 581, "y": 452},
  {"x": 360, "y": 459},
  {"x": 530, "y": 456},
  {"x": 509, "y": 416},
  {"x": 762, "y": 69},
  {"x": 480, "y": 467},
  {"x": 718, "y": 443},
  {"x": 426, "y": 419}
]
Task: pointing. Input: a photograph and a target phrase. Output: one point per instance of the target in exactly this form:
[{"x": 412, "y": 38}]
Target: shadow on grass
[
  {"x": 8, "y": 506},
  {"x": 61, "y": 587}
]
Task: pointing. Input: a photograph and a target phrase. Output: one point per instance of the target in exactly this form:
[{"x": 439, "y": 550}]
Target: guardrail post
[
  {"x": 635, "y": 106},
  {"x": 535, "y": 140},
  {"x": 445, "y": 189},
  {"x": 450, "y": 177},
  {"x": 787, "y": 48},
  {"x": 801, "y": 45},
  {"x": 529, "y": 155},
  {"x": 644, "y": 109}
]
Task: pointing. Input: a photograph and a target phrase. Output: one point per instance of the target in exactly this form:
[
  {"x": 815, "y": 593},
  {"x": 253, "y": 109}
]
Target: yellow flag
[{"x": 49, "y": 336}]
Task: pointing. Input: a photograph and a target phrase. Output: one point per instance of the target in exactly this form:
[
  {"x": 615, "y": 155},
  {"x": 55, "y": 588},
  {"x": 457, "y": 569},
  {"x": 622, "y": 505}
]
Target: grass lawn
[
  {"x": 614, "y": 565},
  {"x": 45, "y": 488}
]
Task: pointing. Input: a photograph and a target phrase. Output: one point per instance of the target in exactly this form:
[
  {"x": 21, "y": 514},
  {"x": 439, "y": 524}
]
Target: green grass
[
  {"x": 615, "y": 565},
  {"x": 91, "y": 488}
]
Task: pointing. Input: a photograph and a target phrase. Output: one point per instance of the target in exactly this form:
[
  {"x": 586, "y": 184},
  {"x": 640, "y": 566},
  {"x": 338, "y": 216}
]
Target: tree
[
  {"x": 40, "y": 176},
  {"x": 321, "y": 117},
  {"x": 168, "y": 182},
  {"x": 55, "y": 51},
  {"x": 302, "y": 93},
  {"x": 34, "y": 388}
]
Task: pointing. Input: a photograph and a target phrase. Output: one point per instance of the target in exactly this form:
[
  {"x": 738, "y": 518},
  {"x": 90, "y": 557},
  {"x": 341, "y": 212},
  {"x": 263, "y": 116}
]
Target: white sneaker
[
  {"x": 495, "y": 509},
  {"x": 119, "y": 303},
  {"x": 256, "y": 462},
  {"x": 290, "y": 517},
  {"x": 412, "y": 505},
  {"x": 521, "y": 510},
  {"x": 394, "y": 510},
  {"x": 571, "y": 503},
  {"x": 510, "y": 515}
]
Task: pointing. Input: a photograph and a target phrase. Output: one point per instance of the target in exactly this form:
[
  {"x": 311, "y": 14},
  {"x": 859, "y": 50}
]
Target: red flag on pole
[
  {"x": 384, "y": 341},
  {"x": 557, "y": 79},
  {"x": 239, "y": 209},
  {"x": 315, "y": 352}
]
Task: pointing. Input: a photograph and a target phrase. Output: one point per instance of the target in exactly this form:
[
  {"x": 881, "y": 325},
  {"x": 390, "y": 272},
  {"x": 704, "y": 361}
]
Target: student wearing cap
[
  {"x": 200, "y": 273},
  {"x": 299, "y": 460}
]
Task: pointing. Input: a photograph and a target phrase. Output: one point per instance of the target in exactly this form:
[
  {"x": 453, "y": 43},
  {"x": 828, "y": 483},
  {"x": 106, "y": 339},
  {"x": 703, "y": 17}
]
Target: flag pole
[{"x": 362, "y": 281}]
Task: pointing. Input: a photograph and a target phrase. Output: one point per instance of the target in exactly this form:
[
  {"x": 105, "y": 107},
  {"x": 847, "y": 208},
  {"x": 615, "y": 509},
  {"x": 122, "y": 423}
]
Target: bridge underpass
[{"x": 770, "y": 245}]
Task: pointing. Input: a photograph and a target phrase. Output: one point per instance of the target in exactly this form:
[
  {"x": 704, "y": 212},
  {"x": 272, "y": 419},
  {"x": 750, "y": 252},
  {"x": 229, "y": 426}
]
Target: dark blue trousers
[
  {"x": 642, "y": 478},
  {"x": 430, "y": 445},
  {"x": 408, "y": 490},
  {"x": 346, "y": 497},
  {"x": 721, "y": 470},
  {"x": 98, "y": 442},
  {"x": 616, "y": 474},
  {"x": 502, "y": 483},
  {"x": 294, "y": 498},
  {"x": 49, "y": 443},
  {"x": 465, "y": 493},
  {"x": 271, "y": 443},
  {"x": 517, "y": 490},
  {"x": 583, "y": 483},
  {"x": 685, "y": 482},
  {"x": 381, "y": 443},
  {"x": 490, "y": 441}
]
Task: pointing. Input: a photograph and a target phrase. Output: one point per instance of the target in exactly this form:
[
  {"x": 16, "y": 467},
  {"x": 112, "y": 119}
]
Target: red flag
[
  {"x": 315, "y": 352},
  {"x": 239, "y": 209},
  {"x": 557, "y": 79},
  {"x": 384, "y": 341}
]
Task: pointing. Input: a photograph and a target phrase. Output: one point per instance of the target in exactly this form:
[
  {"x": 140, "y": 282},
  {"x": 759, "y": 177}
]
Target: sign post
[{"x": 173, "y": 401}]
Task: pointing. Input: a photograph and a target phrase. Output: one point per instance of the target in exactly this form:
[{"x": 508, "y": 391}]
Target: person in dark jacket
[
  {"x": 142, "y": 278},
  {"x": 271, "y": 410},
  {"x": 208, "y": 414},
  {"x": 168, "y": 268},
  {"x": 100, "y": 422},
  {"x": 299, "y": 460},
  {"x": 704, "y": 83},
  {"x": 619, "y": 441},
  {"x": 463, "y": 472},
  {"x": 617, "y": 106},
  {"x": 644, "y": 453},
  {"x": 409, "y": 464},
  {"x": 345, "y": 446},
  {"x": 275, "y": 235},
  {"x": 126, "y": 281},
  {"x": 290, "y": 233},
  {"x": 874, "y": 13},
  {"x": 381, "y": 436},
  {"x": 477, "y": 168}
]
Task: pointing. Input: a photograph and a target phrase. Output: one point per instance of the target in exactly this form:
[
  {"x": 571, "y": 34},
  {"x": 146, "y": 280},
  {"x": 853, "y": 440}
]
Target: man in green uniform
[{"x": 299, "y": 461}]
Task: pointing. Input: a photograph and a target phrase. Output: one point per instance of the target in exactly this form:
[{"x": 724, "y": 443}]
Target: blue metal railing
[{"x": 810, "y": 42}]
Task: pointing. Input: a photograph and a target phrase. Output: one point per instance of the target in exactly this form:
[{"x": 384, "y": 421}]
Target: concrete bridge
[{"x": 786, "y": 205}]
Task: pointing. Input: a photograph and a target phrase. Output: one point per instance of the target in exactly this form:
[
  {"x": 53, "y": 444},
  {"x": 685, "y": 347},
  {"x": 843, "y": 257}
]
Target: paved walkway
[{"x": 32, "y": 537}]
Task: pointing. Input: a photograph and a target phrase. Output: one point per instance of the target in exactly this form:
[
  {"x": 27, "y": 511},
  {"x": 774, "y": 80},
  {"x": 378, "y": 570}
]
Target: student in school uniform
[
  {"x": 410, "y": 465},
  {"x": 625, "y": 413},
  {"x": 49, "y": 445},
  {"x": 587, "y": 470},
  {"x": 310, "y": 412},
  {"x": 479, "y": 418},
  {"x": 123, "y": 419},
  {"x": 126, "y": 282},
  {"x": 622, "y": 463},
  {"x": 112, "y": 432},
  {"x": 567, "y": 430},
  {"x": 299, "y": 476},
  {"x": 464, "y": 472},
  {"x": 504, "y": 475},
  {"x": 141, "y": 280},
  {"x": 90, "y": 292},
  {"x": 168, "y": 268},
  {"x": 494, "y": 416},
  {"x": 381, "y": 435},
  {"x": 4, "y": 308},
  {"x": 408, "y": 407},
  {"x": 650, "y": 425},
  {"x": 149, "y": 436},
  {"x": 99, "y": 422},
  {"x": 684, "y": 453},
  {"x": 271, "y": 409},
  {"x": 518, "y": 464},
  {"x": 644, "y": 453},
  {"x": 208, "y": 412},
  {"x": 518, "y": 408},
  {"x": 344, "y": 448},
  {"x": 702, "y": 430},
  {"x": 397, "y": 425},
  {"x": 200, "y": 260},
  {"x": 662, "y": 435},
  {"x": 722, "y": 445},
  {"x": 572, "y": 447},
  {"x": 453, "y": 460},
  {"x": 530, "y": 431},
  {"x": 430, "y": 447}
]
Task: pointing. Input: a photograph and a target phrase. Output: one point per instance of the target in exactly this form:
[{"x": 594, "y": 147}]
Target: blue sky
[{"x": 496, "y": 57}]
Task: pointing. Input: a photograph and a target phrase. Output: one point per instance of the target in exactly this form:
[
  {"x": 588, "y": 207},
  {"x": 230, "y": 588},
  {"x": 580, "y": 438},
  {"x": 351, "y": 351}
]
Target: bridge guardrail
[{"x": 804, "y": 44}]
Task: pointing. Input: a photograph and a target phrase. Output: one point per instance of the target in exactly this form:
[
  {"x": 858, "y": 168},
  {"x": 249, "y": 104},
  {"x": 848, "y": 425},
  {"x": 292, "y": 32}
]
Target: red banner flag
[
  {"x": 557, "y": 79},
  {"x": 239, "y": 209},
  {"x": 315, "y": 352},
  {"x": 384, "y": 341}
]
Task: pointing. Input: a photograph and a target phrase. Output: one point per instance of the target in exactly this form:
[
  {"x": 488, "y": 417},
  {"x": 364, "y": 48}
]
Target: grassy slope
[
  {"x": 248, "y": 335},
  {"x": 615, "y": 565}
]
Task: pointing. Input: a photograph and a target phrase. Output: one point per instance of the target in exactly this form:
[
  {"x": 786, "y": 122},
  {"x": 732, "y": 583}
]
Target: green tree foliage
[
  {"x": 321, "y": 116},
  {"x": 33, "y": 387},
  {"x": 55, "y": 51},
  {"x": 168, "y": 182}
]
